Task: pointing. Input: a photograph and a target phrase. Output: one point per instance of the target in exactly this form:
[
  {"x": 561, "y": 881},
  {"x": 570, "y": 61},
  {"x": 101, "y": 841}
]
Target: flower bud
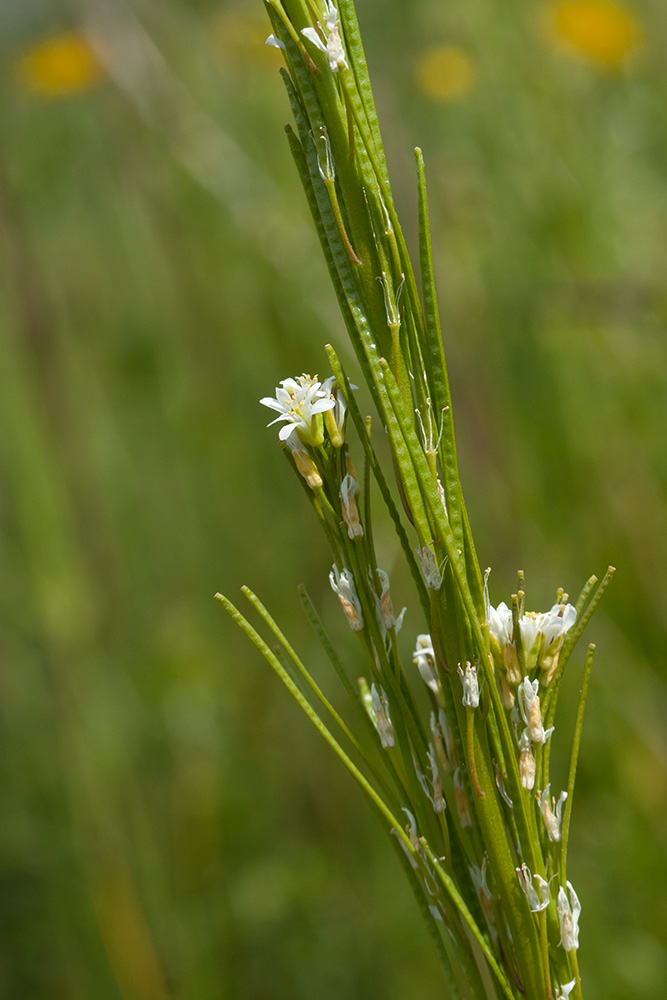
[
  {"x": 506, "y": 692},
  {"x": 470, "y": 685},
  {"x": 552, "y": 813},
  {"x": 306, "y": 467},
  {"x": 384, "y": 608},
  {"x": 342, "y": 583},
  {"x": 526, "y": 883},
  {"x": 526, "y": 762},
  {"x": 349, "y": 488},
  {"x": 568, "y": 918},
  {"x": 424, "y": 658}
]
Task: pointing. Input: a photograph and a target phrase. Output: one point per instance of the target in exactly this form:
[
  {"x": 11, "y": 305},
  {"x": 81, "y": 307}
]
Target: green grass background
[{"x": 171, "y": 826}]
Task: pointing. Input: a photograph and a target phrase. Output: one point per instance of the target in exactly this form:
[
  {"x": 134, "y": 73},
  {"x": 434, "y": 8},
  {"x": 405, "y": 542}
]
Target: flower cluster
[
  {"x": 313, "y": 413},
  {"x": 523, "y": 648},
  {"x": 300, "y": 402},
  {"x": 534, "y": 642},
  {"x": 568, "y": 910}
]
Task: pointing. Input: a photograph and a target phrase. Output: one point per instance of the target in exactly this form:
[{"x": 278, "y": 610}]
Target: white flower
[
  {"x": 542, "y": 632},
  {"x": 343, "y": 585},
  {"x": 552, "y": 812},
  {"x": 299, "y": 403},
  {"x": 529, "y": 706},
  {"x": 470, "y": 685},
  {"x": 501, "y": 627},
  {"x": 526, "y": 762},
  {"x": 526, "y": 883},
  {"x": 424, "y": 657},
  {"x": 568, "y": 917},
  {"x": 383, "y": 719},
  {"x": 333, "y": 47},
  {"x": 500, "y": 622},
  {"x": 541, "y": 635},
  {"x": 383, "y": 606},
  {"x": 566, "y": 990}
]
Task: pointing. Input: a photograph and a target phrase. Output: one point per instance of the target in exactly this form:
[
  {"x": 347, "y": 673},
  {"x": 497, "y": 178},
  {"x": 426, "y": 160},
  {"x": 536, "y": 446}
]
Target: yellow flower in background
[
  {"x": 445, "y": 73},
  {"x": 601, "y": 32},
  {"x": 58, "y": 66}
]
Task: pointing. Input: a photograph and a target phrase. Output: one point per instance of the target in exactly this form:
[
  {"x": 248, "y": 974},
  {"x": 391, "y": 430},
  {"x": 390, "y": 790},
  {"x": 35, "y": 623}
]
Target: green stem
[
  {"x": 574, "y": 757},
  {"x": 470, "y": 742},
  {"x": 544, "y": 941},
  {"x": 306, "y": 707}
]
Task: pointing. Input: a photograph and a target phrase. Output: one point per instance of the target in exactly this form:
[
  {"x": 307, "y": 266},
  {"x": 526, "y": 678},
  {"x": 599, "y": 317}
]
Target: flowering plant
[{"x": 458, "y": 767}]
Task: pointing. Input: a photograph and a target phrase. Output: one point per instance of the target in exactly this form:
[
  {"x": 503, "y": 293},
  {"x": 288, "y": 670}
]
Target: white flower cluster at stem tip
[
  {"x": 298, "y": 402},
  {"x": 541, "y": 632}
]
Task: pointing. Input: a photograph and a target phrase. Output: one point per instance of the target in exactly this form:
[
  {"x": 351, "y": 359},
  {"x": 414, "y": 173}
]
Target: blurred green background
[{"x": 171, "y": 826}]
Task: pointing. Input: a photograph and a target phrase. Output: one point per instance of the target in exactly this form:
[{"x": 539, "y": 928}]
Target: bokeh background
[{"x": 170, "y": 825}]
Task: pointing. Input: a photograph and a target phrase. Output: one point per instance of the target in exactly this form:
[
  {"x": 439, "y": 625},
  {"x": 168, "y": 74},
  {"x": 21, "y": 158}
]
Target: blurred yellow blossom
[
  {"x": 60, "y": 65},
  {"x": 601, "y": 32},
  {"x": 445, "y": 72}
]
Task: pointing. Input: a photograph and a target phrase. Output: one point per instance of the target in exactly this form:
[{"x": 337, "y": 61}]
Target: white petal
[
  {"x": 569, "y": 617},
  {"x": 313, "y": 37},
  {"x": 322, "y": 404},
  {"x": 332, "y": 15},
  {"x": 273, "y": 403},
  {"x": 285, "y": 431}
]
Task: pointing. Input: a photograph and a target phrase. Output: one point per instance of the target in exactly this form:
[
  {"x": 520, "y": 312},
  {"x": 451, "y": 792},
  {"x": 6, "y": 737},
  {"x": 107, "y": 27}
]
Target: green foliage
[{"x": 452, "y": 774}]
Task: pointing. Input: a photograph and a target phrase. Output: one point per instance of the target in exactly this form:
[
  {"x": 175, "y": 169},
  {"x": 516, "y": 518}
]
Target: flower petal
[
  {"x": 285, "y": 431},
  {"x": 313, "y": 37}
]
